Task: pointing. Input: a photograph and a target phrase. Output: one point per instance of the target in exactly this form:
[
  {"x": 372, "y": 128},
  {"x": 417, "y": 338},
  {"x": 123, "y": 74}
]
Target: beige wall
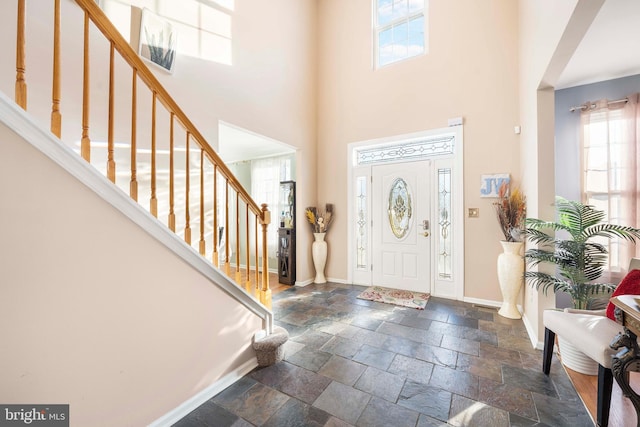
[
  {"x": 94, "y": 311},
  {"x": 269, "y": 89},
  {"x": 550, "y": 32},
  {"x": 471, "y": 70}
]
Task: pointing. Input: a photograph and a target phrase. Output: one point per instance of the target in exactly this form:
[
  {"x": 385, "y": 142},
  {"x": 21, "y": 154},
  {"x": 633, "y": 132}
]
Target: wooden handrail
[
  {"x": 101, "y": 22},
  {"x": 92, "y": 14}
]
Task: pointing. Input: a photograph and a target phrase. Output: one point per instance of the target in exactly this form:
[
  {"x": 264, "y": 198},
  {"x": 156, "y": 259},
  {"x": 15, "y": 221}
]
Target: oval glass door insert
[{"x": 399, "y": 208}]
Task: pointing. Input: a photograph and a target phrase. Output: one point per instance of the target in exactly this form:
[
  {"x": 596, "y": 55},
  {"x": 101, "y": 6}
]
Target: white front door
[{"x": 401, "y": 226}]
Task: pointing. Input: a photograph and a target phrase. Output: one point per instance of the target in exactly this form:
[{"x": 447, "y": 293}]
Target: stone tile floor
[{"x": 351, "y": 362}]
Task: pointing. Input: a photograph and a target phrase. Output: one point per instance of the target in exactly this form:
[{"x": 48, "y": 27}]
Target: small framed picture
[{"x": 158, "y": 40}]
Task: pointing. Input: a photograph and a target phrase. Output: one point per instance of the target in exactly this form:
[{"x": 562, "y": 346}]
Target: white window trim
[{"x": 376, "y": 30}]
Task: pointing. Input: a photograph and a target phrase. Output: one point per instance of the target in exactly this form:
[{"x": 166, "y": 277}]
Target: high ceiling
[{"x": 610, "y": 49}]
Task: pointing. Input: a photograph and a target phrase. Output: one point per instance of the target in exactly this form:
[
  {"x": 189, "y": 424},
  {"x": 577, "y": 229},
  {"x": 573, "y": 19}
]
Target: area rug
[{"x": 395, "y": 296}]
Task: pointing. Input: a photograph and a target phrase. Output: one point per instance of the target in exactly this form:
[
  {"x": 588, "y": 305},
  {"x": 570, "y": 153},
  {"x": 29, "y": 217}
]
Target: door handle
[{"x": 426, "y": 234}]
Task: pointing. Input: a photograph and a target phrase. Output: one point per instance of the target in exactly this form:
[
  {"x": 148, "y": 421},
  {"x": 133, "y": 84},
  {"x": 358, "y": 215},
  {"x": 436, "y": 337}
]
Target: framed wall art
[{"x": 158, "y": 40}]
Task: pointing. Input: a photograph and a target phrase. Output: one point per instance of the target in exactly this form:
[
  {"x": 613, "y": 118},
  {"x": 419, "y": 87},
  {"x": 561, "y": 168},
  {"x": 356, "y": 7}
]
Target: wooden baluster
[
  {"x": 153, "y": 203},
  {"x": 187, "y": 227},
  {"x": 257, "y": 287},
  {"x": 227, "y": 267},
  {"x": 111, "y": 163},
  {"x": 85, "y": 144},
  {"x": 172, "y": 214},
  {"x": 216, "y": 261},
  {"x": 238, "y": 275},
  {"x": 133, "y": 185},
  {"x": 56, "y": 117},
  {"x": 215, "y": 216},
  {"x": 265, "y": 292},
  {"x": 21, "y": 84},
  {"x": 247, "y": 250},
  {"x": 202, "y": 245}
]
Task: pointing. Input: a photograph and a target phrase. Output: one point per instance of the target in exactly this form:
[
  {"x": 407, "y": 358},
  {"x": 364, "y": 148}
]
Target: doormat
[{"x": 395, "y": 296}]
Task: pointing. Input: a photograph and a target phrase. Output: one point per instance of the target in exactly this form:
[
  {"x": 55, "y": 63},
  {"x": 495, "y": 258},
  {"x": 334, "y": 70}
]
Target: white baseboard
[
  {"x": 303, "y": 283},
  {"x": 538, "y": 345},
  {"x": 198, "y": 399},
  {"x": 483, "y": 302}
]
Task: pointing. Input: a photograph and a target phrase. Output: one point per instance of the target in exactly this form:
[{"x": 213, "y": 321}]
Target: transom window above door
[{"x": 399, "y": 30}]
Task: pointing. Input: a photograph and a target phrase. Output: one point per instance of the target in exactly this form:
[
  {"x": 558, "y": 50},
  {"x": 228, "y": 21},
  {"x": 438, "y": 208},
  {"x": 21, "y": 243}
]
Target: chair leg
[
  {"x": 549, "y": 342},
  {"x": 605, "y": 384}
]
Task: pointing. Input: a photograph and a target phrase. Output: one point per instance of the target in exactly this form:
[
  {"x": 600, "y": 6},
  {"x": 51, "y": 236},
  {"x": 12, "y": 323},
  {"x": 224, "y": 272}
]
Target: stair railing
[{"x": 254, "y": 280}]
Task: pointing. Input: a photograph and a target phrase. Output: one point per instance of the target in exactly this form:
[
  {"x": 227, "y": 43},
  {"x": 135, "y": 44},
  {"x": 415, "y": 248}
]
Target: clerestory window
[{"x": 399, "y": 30}]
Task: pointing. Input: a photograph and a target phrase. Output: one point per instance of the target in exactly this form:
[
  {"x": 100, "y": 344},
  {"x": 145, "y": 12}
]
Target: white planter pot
[
  {"x": 319, "y": 255},
  {"x": 576, "y": 360},
  {"x": 510, "y": 277}
]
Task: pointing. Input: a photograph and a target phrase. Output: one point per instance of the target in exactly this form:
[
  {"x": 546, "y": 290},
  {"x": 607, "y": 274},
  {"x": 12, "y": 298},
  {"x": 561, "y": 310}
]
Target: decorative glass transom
[
  {"x": 407, "y": 150},
  {"x": 399, "y": 208}
]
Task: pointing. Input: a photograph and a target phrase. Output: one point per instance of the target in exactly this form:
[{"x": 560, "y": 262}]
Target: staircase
[{"x": 136, "y": 291}]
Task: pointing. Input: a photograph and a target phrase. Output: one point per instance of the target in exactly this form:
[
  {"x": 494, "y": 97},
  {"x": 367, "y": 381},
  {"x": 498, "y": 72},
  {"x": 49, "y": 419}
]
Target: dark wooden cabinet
[
  {"x": 287, "y": 256},
  {"x": 287, "y": 234}
]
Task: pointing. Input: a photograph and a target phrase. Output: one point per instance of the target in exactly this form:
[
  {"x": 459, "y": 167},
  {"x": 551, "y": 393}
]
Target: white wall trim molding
[
  {"x": 201, "y": 397},
  {"x": 339, "y": 281},
  {"x": 362, "y": 155},
  {"x": 303, "y": 283},
  {"x": 20, "y": 122},
  {"x": 533, "y": 336},
  {"x": 482, "y": 302}
]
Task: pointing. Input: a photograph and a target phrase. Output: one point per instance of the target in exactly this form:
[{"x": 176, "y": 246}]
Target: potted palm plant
[{"x": 579, "y": 260}]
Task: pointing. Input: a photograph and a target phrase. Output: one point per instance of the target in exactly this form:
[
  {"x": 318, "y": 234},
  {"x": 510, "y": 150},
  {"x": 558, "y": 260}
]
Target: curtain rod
[{"x": 592, "y": 105}]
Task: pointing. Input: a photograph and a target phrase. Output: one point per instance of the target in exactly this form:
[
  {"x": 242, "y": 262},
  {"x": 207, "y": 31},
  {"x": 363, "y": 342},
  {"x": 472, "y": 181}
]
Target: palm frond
[{"x": 579, "y": 262}]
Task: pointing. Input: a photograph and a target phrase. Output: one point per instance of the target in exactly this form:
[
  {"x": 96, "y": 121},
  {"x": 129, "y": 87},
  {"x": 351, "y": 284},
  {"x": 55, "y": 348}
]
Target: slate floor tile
[
  {"x": 437, "y": 355},
  {"x": 435, "y": 364},
  {"x": 426, "y": 399},
  {"x": 557, "y": 412},
  {"x": 504, "y": 396},
  {"x": 209, "y": 414},
  {"x": 480, "y": 366},
  {"x": 295, "y": 413},
  {"x": 458, "y": 382},
  {"x": 375, "y": 357},
  {"x": 343, "y": 401},
  {"x": 309, "y": 359},
  {"x": 304, "y": 385},
  {"x": 256, "y": 404},
  {"x": 342, "y": 370},
  {"x": 461, "y": 345},
  {"x": 534, "y": 381},
  {"x": 412, "y": 369},
  {"x": 380, "y": 413},
  {"x": 469, "y": 413},
  {"x": 380, "y": 383},
  {"x": 342, "y": 347}
]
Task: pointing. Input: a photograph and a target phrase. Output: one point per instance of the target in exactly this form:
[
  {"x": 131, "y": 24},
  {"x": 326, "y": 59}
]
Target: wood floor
[{"x": 622, "y": 412}]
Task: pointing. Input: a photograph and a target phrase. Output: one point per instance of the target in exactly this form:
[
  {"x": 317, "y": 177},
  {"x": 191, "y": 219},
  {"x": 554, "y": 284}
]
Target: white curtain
[
  {"x": 266, "y": 175},
  {"x": 609, "y": 164}
]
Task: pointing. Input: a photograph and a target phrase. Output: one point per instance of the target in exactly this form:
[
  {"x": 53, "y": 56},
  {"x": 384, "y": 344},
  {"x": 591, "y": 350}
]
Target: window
[
  {"x": 266, "y": 175},
  {"x": 399, "y": 30},
  {"x": 609, "y": 164}
]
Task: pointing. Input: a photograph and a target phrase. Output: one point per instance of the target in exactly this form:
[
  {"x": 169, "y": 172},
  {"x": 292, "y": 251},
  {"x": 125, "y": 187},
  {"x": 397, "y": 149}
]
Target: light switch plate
[{"x": 474, "y": 212}]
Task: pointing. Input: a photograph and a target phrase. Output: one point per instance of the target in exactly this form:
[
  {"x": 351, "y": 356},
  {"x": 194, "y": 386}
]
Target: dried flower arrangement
[
  {"x": 511, "y": 210},
  {"x": 319, "y": 220}
]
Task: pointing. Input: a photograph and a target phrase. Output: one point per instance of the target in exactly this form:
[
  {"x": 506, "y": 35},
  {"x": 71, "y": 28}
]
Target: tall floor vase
[
  {"x": 319, "y": 255},
  {"x": 510, "y": 277}
]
